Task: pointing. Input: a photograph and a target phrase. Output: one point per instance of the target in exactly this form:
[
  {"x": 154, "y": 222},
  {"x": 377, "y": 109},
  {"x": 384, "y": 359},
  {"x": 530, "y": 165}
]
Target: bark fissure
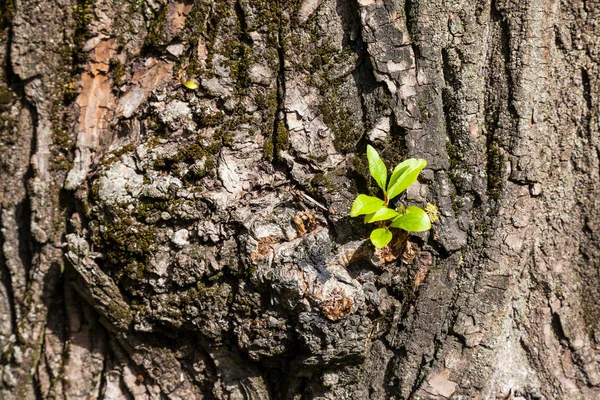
[
  {"x": 495, "y": 103},
  {"x": 279, "y": 124}
]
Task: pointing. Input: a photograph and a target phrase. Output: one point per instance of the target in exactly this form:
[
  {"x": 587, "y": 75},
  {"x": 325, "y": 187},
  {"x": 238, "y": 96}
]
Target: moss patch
[
  {"x": 63, "y": 145},
  {"x": 339, "y": 119},
  {"x": 192, "y": 152},
  {"x": 494, "y": 170},
  {"x": 158, "y": 35},
  {"x": 281, "y": 139},
  {"x": 118, "y": 71},
  {"x": 7, "y": 10},
  {"x": 84, "y": 16},
  {"x": 126, "y": 242}
]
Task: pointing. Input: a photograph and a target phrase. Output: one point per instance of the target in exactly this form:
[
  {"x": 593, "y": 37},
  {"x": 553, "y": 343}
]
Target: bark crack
[{"x": 279, "y": 124}]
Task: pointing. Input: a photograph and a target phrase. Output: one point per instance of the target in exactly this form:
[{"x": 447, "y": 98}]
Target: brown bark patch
[
  {"x": 95, "y": 103},
  {"x": 264, "y": 247},
  {"x": 177, "y": 13},
  {"x": 305, "y": 222},
  {"x": 440, "y": 385},
  {"x": 154, "y": 73},
  {"x": 338, "y": 306}
]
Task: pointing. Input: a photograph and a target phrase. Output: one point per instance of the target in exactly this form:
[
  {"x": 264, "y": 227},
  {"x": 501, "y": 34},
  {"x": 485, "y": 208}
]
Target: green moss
[
  {"x": 7, "y": 10},
  {"x": 128, "y": 148},
  {"x": 201, "y": 288},
  {"x": 394, "y": 150},
  {"x": 424, "y": 114},
  {"x": 322, "y": 181},
  {"x": 267, "y": 102},
  {"x": 63, "y": 147},
  {"x": 125, "y": 238},
  {"x": 494, "y": 170},
  {"x": 281, "y": 139},
  {"x": 318, "y": 159},
  {"x": 126, "y": 242},
  {"x": 157, "y": 128},
  {"x": 332, "y": 55},
  {"x": 456, "y": 166},
  {"x": 238, "y": 61},
  {"x": 8, "y": 126},
  {"x": 193, "y": 150},
  {"x": 198, "y": 28},
  {"x": 5, "y": 96},
  {"x": 149, "y": 209},
  {"x": 7, "y": 355},
  {"x": 270, "y": 105},
  {"x": 360, "y": 174},
  {"x": 454, "y": 156},
  {"x": 190, "y": 153},
  {"x": 268, "y": 150},
  {"x": 456, "y": 203},
  {"x": 456, "y": 159},
  {"x": 415, "y": 39},
  {"x": 269, "y": 19},
  {"x": 158, "y": 33},
  {"x": 118, "y": 313},
  {"x": 340, "y": 120},
  {"x": 83, "y": 15},
  {"x": 216, "y": 277},
  {"x": 118, "y": 71},
  {"x": 361, "y": 167},
  {"x": 208, "y": 118}
]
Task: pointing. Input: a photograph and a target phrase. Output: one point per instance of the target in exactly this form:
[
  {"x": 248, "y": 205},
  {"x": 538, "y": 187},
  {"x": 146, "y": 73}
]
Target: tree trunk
[{"x": 176, "y": 178}]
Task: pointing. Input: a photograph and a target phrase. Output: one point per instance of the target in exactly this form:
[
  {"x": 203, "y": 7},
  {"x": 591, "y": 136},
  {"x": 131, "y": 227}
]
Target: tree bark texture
[{"x": 160, "y": 241}]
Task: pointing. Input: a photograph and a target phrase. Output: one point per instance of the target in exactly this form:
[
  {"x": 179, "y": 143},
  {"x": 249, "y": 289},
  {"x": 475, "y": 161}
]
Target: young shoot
[{"x": 410, "y": 219}]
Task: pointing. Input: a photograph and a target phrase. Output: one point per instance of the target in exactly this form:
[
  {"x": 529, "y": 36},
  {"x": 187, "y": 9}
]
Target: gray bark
[{"x": 159, "y": 241}]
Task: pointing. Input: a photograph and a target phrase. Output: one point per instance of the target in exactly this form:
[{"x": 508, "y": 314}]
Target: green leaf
[
  {"x": 377, "y": 167},
  {"x": 381, "y": 237},
  {"x": 382, "y": 214},
  {"x": 407, "y": 177},
  {"x": 415, "y": 220},
  {"x": 400, "y": 169},
  {"x": 365, "y": 205}
]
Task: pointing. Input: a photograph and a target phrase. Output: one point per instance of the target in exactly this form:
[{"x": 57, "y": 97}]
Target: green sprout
[{"x": 411, "y": 218}]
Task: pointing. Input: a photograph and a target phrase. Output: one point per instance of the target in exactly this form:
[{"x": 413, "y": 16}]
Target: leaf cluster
[{"x": 374, "y": 209}]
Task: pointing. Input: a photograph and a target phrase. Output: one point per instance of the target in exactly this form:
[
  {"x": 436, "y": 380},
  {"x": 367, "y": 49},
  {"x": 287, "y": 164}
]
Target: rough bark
[{"x": 158, "y": 241}]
